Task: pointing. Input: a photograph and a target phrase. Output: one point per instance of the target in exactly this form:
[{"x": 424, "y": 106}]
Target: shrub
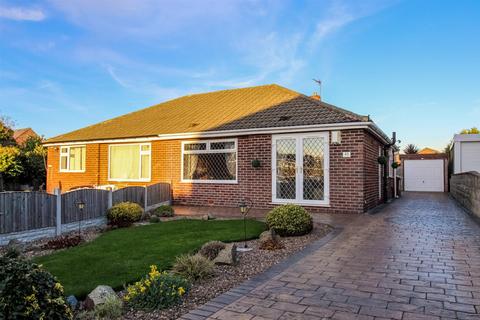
[
  {"x": 193, "y": 267},
  {"x": 124, "y": 214},
  {"x": 157, "y": 290},
  {"x": 290, "y": 220},
  {"x": 29, "y": 292},
  {"x": 164, "y": 211},
  {"x": 111, "y": 309},
  {"x": 154, "y": 219},
  {"x": 211, "y": 249},
  {"x": 63, "y": 242},
  {"x": 271, "y": 244}
]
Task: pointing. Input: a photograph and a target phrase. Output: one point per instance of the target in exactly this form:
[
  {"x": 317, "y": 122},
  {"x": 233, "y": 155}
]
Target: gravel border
[{"x": 251, "y": 269}]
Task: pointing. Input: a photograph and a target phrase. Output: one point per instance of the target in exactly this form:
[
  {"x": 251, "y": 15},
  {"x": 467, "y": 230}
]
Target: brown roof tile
[{"x": 247, "y": 108}]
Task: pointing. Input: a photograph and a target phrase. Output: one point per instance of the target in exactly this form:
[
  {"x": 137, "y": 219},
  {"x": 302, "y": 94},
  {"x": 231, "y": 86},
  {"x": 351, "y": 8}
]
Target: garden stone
[
  {"x": 72, "y": 301},
  {"x": 228, "y": 255},
  {"x": 16, "y": 245},
  {"x": 269, "y": 235},
  {"x": 208, "y": 216},
  {"x": 98, "y": 296}
]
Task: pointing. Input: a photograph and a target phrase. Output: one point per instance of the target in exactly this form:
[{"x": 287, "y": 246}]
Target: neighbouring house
[
  {"x": 22, "y": 135},
  {"x": 466, "y": 153},
  {"x": 428, "y": 151},
  {"x": 267, "y": 144}
]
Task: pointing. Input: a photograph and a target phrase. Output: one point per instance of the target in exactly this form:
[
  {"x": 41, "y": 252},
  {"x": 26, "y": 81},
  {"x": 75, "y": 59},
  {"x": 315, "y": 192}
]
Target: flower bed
[{"x": 227, "y": 277}]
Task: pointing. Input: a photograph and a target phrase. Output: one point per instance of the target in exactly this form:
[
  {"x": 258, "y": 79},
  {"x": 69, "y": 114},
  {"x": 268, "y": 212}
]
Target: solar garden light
[
  {"x": 244, "y": 208},
  {"x": 80, "y": 205}
]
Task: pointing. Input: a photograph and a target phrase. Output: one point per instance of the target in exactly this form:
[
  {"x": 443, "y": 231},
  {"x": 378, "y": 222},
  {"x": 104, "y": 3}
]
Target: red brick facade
[{"x": 354, "y": 181}]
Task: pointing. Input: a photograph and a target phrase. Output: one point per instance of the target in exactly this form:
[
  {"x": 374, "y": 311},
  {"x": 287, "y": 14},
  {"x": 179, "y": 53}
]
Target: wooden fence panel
[
  {"x": 20, "y": 211},
  {"x": 158, "y": 193},
  {"x": 96, "y": 204},
  {"x": 130, "y": 194}
]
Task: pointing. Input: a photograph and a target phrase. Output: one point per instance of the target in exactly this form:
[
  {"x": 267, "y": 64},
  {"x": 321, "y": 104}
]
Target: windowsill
[
  {"x": 305, "y": 204},
  {"x": 130, "y": 180},
  {"x": 211, "y": 181},
  {"x": 71, "y": 171}
]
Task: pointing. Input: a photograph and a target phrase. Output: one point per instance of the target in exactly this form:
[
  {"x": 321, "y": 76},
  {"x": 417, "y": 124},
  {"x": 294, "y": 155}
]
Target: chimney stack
[{"x": 316, "y": 96}]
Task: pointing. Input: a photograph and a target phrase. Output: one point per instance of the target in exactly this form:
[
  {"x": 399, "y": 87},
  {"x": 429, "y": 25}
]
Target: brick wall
[
  {"x": 253, "y": 183},
  {"x": 353, "y": 180},
  {"x": 372, "y": 195},
  {"x": 346, "y": 174},
  {"x": 465, "y": 188},
  {"x": 96, "y": 169}
]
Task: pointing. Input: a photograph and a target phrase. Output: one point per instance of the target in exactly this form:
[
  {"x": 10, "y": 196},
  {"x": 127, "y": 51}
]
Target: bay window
[
  {"x": 210, "y": 161},
  {"x": 72, "y": 158},
  {"x": 129, "y": 162}
]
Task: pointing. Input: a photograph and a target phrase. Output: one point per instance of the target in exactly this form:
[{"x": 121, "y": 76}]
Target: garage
[
  {"x": 424, "y": 175},
  {"x": 427, "y": 172}
]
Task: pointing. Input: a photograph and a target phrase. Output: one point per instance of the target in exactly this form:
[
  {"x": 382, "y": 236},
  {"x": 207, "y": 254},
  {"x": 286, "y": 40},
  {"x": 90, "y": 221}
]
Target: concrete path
[{"x": 418, "y": 258}]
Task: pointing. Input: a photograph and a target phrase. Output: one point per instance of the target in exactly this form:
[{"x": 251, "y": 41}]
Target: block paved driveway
[{"x": 418, "y": 258}]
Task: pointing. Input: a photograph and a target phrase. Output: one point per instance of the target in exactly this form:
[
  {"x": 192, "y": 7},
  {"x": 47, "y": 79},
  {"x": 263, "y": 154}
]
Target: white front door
[
  {"x": 300, "y": 164},
  {"x": 424, "y": 175}
]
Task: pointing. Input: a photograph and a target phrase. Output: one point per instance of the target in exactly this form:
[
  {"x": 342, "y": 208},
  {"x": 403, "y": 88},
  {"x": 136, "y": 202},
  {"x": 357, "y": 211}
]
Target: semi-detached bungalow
[{"x": 267, "y": 144}]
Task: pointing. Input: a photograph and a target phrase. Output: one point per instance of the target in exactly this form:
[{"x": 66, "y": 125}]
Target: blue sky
[{"x": 414, "y": 66}]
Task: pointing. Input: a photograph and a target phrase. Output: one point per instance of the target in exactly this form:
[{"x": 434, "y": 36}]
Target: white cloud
[
  {"x": 116, "y": 78},
  {"x": 270, "y": 55},
  {"x": 149, "y": 18},
  {"x": 341, "y": 13},
  {"x": 139, "y": 83},
  {"x": 22, "y": 14}
]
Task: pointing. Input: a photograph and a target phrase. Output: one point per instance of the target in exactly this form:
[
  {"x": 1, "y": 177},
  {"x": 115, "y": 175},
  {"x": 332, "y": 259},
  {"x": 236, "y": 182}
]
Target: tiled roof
[
  {"x": 428, "y": 151},
  {"x": 21, "y": 135},
  {"x": 265, "y": 106}
]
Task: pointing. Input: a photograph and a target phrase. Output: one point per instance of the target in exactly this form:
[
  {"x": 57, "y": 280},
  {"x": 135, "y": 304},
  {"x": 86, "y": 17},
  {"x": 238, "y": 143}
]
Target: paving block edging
[{"x": 223, "y": 300}]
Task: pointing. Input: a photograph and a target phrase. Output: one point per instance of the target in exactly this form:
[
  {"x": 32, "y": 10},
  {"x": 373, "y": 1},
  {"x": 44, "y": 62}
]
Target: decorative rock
[
  {"x": 208, "y": 216},
  {"x": 269, "y": 235},
  {"x": 98, "y": 296},
  {"x": 16, "y": 245},
  {"x": 228, "y": 255},
  {"x": 72, "y": 301}
]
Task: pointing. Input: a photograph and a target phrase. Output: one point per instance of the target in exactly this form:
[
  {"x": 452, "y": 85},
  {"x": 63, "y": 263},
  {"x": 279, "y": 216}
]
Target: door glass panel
[
  {"x": 286, "y": 173},
  {"x": 313, "y": 168}
]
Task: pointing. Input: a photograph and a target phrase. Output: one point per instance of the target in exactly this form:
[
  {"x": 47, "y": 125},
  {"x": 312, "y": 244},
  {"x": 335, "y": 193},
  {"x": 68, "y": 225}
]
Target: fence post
[
  {"x": 146, "y": 199},
  {"x": 58, "y": 216},
  {"x": 110, "y": 199}
]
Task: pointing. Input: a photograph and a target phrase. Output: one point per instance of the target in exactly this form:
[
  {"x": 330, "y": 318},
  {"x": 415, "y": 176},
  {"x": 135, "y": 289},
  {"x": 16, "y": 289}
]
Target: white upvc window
[
  {"x": 129, "y": 162},
  {"x": 209, "y": 161},
  {"x": 73, "y": 158}
]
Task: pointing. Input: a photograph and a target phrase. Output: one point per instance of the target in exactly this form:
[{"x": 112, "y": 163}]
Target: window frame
[
  {"x": 299, "y": 174},
  {"x": 209, "y": 151},
  {"x": 149, "y": 152},
  {"x": 67, "y": 154}
]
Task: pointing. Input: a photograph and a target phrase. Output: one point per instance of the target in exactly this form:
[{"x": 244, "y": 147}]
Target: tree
[
  {"x": 411, "y": 149},
  {"x": 10, "y": 164},
  {"x": 448, "y": 147},
  {"x": 473, "y": 130},
  {"x": 6, "y": 132},
  {"x": 32, "y": 157}
]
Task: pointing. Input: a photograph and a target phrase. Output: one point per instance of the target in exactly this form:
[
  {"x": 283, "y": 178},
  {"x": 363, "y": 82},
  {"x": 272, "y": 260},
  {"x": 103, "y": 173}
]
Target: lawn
[{"x": 124, "y": 255}]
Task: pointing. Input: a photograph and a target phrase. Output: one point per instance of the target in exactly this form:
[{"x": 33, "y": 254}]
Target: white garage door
[
  {"x": 424, "y": 175},
  {"x": 470, "y": 156}
]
